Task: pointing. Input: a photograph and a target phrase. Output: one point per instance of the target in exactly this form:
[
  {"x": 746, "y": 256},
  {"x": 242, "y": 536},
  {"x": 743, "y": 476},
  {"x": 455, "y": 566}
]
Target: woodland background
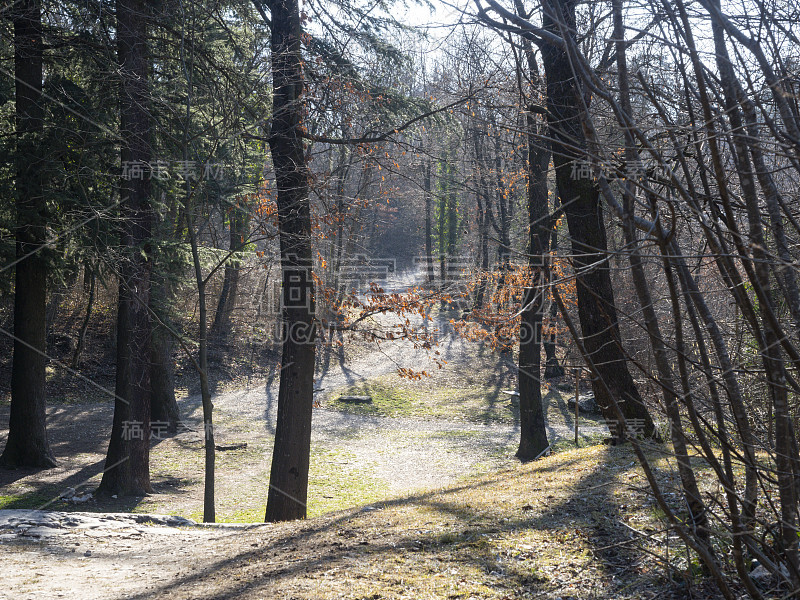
[{"x": 223, "y": 187}]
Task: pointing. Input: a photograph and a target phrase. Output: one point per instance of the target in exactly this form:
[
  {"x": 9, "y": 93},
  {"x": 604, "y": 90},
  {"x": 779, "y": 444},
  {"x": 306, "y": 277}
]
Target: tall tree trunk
[
  {"x": 428, "y": 225},
  {"x": 239, "y": 222},
  {"x": 579, "y": 197},
  {"x": 127, "y": 468},
  {"x": 201, "y": 365},
  {"x": 532, "y": 427},
  {"x": 532, "y": 431},
  {"x": 288, "y": 485},
  {"x": 27, "y": 443},
  {"x": 209, "y": 510},
  {"x": 553, "y": 368}
]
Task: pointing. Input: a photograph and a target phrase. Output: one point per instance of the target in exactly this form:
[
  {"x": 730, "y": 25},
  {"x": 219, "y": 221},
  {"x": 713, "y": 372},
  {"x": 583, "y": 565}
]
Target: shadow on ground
[{"x": 479, "y": 540}]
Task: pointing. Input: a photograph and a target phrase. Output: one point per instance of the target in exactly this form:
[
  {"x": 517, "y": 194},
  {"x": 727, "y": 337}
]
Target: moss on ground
[{"x": 387, "y": 400}]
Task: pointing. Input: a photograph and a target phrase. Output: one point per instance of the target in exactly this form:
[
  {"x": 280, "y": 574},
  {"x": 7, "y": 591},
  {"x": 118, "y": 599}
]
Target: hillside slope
[{"x": 577, "y": 524}]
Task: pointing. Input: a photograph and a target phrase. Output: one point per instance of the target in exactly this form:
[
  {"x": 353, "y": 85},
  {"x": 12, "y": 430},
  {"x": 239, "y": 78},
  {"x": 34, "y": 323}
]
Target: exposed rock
[
  {"x": 587, "y": 405},
  {"x": 44, "y": 523},
  {"x": 223, "y": 447},
  {"x": 514, "y": 401},
  {"x": 71, "y": 495},
  {"x": 356, "y": 399},
  {"x": 165, "y": 520},
  {"x": 763, "y": 578}
]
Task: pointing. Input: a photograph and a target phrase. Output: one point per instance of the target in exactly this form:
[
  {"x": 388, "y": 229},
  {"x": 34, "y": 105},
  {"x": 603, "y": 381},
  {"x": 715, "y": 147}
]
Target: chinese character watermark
[
  {"x": 581, "y": 169},
  {"x": 159, "y": 430},
  {"x": 632, "y": 428},
  {"x": 132, "y": 430},
  {"x": 186, "y": 170}
]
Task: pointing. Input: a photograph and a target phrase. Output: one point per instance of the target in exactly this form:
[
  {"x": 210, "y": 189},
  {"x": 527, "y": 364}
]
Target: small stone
[
  {"x": 223, "y": 447},
  {"x": 586, "y": 405},
  {"x": 356, "y": 399}
]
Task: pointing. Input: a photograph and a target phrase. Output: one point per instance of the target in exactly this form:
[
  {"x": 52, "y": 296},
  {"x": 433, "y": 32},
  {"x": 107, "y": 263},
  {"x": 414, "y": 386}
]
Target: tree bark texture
[
  {"x": 579, "y": 197},
  {"x": 27, "y": 444},
  {"x": 533, "y": 434},
  {"x": 127, "y": 467},
  {"x": 288, "y": 486}
]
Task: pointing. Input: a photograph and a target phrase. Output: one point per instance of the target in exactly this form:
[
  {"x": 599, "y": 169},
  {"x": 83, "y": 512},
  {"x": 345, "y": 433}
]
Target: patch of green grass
[
  {"x": 394, "y": 397},
  {"x": 249, "y": 515},
  {"x": 28, "y": 500},
  {"x": 584, "y": 441},
  {"x": 477, "y": 404},
  {"x": 658, "y": 514},
  {"x": 178, "y": 475},
  {"x": 387, "y": 400},
  {"x": 195, "y": 515},
  {"x": 337, "y": 482},
  {"x": 21, "y": 501}
]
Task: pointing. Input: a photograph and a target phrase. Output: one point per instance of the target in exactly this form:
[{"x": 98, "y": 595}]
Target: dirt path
[
  {"x": 355, "y": 458},
  {"x": 408, "y": 454},
  {"x": 405, "y": 453},
  {"x": 568, "y": 526},
  {"x": 80, "y": 555}
]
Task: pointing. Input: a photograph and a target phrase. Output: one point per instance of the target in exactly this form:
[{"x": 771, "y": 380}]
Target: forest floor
[
  {"x": 416, "y": 495},
  {"x": 415, "y": 435},
  {"x": 576, "y": 524}
]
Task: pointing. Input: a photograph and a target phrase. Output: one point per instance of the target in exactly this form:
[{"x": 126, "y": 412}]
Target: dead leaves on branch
[{"x": 378, "y": 316}]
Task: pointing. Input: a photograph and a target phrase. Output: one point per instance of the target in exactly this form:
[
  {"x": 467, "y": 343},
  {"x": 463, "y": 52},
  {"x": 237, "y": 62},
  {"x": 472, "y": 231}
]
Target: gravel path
[
  {"x": 49, "y": 554},
  {"x": 406, "y": 453},
  {"x": 397, "y": 454}
]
